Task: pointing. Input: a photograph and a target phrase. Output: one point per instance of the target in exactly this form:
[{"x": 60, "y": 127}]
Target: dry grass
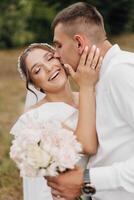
[
  {"x": 12, "y": 96},
  {"x": 125, "y": 41}
]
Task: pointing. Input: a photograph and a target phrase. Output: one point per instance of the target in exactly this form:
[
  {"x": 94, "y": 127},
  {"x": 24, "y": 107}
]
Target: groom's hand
[{"x": 67, "y": 185}]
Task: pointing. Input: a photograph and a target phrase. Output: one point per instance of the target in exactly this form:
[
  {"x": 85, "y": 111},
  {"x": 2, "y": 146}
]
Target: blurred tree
[
  {"x": 24, "y": 21},
  {"x": 40, "y": 20},
  {"x": 118, "y": 15},
  {"x": 13, "y": 23}
]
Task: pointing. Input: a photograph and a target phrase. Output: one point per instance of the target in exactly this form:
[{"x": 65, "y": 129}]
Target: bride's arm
[
  {"x": 86, "y": 77},
  {"x": 86, "y": 126}
]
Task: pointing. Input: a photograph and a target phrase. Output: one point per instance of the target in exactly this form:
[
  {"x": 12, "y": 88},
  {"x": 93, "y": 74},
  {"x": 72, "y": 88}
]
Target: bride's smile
[{"x": 54, "y": 75}]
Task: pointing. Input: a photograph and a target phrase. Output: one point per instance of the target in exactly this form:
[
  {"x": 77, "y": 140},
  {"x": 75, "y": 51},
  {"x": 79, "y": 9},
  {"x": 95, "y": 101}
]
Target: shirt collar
[{"x": 111, "y": 53}]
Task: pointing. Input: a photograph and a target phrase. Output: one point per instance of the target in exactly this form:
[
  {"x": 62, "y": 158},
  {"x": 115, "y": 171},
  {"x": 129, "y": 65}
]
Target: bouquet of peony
[{"x": 45, "y": 150}]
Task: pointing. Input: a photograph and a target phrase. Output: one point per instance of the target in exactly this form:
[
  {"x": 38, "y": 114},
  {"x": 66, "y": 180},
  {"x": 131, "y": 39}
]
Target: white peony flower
[
  {"x": 38, "y": 157},
  {"x": 45, "y": 149}
]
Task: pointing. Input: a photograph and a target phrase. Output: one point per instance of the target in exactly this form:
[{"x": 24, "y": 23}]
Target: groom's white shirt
[{"x": 112, "y": 169}]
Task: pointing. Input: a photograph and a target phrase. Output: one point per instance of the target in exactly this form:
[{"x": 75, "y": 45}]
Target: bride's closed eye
[{"x": 37, "y": 69}]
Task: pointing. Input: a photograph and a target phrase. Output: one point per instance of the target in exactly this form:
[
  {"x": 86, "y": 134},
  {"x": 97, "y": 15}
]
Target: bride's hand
[{"x": 87, "y": 73}]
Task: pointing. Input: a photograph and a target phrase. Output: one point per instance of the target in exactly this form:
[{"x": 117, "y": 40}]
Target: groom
[{"x": 110, "y": 173}]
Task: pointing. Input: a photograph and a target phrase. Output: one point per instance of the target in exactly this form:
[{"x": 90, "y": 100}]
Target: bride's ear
[{"x": 80, "y": 43}]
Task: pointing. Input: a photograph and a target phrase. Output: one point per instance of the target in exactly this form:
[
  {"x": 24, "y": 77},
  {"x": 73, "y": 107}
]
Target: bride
[{"x": 76, "y": 111}]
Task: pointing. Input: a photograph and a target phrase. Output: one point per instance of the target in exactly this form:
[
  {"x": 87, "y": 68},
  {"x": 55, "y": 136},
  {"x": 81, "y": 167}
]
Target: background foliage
[{"x": 24, "y": 21}]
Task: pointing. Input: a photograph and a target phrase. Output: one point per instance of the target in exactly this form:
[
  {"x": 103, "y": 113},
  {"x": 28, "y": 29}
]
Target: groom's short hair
[{"x": 77, "y": 15}]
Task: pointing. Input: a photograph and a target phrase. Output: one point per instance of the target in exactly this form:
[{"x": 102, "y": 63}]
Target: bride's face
[{"x": 46, "y": 72}]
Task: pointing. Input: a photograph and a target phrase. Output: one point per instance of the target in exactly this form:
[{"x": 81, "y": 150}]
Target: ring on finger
[
  {"x": 93, "y": 65},
  {"x": 58, "y": 196}
]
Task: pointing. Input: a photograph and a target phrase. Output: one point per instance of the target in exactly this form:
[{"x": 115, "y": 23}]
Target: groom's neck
[{"x": 104, "y": 47}]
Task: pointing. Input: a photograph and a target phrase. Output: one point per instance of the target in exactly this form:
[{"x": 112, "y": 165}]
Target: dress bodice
[
  {"x": 36, "y": 188},
  {"x": 49, "y": 111}
]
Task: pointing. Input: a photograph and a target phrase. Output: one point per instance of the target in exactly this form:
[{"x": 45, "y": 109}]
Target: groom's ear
[{"x": 80, "y": 43}]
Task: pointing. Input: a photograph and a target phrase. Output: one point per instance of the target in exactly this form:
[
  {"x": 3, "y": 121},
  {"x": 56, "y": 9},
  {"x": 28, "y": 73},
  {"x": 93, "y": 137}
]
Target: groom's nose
[{"x": 56, "y": 55}]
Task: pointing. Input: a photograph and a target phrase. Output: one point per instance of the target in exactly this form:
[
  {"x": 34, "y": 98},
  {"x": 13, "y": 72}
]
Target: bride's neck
[{"x": 64, "y": 95}]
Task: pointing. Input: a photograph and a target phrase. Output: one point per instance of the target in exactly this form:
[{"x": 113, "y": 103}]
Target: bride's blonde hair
[{"x": 22, "y": 68}]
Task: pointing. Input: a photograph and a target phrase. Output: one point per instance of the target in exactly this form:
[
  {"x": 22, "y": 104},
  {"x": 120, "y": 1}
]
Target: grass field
[{"x": 12, "y": 97}]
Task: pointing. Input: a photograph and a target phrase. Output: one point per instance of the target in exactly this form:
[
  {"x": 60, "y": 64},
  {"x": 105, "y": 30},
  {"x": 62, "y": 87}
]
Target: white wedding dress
[{"x": 36, "y": 188}]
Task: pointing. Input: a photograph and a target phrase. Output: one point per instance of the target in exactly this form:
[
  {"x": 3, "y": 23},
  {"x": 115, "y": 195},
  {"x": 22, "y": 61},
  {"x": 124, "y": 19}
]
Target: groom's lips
[{"x": 54, "y": 74}]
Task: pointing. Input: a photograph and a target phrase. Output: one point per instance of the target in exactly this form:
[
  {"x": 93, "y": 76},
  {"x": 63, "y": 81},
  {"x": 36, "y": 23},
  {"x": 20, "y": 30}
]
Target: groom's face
[{"x": 65, "y": 47}]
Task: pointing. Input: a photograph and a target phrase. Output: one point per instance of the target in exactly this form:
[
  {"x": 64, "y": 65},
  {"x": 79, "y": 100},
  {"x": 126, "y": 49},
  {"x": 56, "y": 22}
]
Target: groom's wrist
[{"x": 87, "y": 189}]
